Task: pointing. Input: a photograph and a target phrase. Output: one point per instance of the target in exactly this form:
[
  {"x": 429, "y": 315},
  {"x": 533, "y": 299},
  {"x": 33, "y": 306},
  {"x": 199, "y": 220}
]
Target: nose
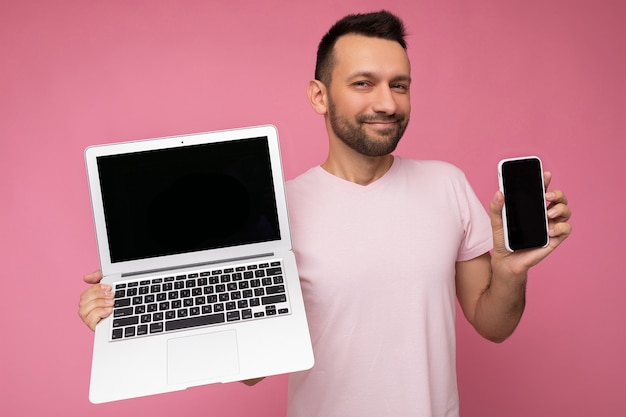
[{"x": 385, "y": 101}]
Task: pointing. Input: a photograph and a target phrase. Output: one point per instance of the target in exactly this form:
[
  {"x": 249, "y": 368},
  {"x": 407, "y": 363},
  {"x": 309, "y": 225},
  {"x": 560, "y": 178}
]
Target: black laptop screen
[{"x": 191, "y": 198}]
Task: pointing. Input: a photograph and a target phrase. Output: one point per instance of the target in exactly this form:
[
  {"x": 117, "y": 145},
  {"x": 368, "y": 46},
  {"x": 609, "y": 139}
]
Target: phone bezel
[{"x": 513, "y": 246}]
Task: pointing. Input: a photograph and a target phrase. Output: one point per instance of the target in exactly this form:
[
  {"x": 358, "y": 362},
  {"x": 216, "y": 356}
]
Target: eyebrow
[{"x": 370, "y": 74}]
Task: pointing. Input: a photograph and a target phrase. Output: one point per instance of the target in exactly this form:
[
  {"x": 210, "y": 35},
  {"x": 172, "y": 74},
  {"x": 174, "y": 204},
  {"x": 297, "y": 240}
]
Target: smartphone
[{"x": 524, "y": 213}]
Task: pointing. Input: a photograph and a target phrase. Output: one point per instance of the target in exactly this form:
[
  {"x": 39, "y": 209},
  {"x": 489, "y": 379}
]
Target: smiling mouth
[
  {"x": 381, "y": 124},
  {"x": 388, "y": 122},
  {"x": 382, "y": 121}
]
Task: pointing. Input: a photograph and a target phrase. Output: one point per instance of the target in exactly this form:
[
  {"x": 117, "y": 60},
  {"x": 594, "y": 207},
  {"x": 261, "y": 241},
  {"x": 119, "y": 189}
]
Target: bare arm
[
  {"x": 493, "y": 305},
  {"x": 491, "y": 289}
]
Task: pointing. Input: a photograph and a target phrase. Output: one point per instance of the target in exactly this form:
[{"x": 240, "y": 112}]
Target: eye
[
  {"x": 361, "y": 84},
  {"x": 403, "y": 88}
]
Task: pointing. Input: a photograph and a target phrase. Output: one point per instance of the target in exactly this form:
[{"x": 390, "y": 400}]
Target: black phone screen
[{"x": 524, "y": 203}]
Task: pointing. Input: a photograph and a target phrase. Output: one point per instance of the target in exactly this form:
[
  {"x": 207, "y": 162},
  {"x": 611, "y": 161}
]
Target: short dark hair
[{"x": 382, "y": 24}]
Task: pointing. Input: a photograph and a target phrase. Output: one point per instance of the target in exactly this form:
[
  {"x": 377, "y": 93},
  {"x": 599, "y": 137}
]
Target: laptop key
[
  {"x": 122, "y": 302},
  {"x": 274, "y": 271},
  {"x": 156, "y": 327},
  {"x": 194, "y": 321},
  {"x": 126, "y": 321},
  {"x": 274, "y": 299},
  {"x": 123, "y": 312},
  {"x": 277, "y": 289},
  {"x": 233, "y": 316}
]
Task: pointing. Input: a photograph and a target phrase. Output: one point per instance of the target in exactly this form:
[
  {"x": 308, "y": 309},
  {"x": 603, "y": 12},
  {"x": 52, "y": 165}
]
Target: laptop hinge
[{"x": 197, "y": 265}]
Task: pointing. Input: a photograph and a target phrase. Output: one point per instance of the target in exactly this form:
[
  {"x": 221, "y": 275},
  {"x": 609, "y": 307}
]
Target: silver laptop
[{"x": 193, "y": 235}]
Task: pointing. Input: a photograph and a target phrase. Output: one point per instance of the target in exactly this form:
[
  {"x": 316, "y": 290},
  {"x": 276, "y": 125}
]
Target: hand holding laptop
[{"x": 95, "y": 303}]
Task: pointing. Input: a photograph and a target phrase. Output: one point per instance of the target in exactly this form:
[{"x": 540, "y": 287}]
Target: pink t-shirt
[{"x": 377, "y": 266}]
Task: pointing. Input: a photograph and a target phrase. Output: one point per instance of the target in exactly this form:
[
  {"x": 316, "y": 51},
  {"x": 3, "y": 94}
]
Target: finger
[
  {"x": 95, "y": 303},
  {"x": 93, "y": 278},
  {"x": 495, "y": 208},
  {"x": 95, "y": 315},
  {"x": 97, "y": 291},
  {"x": 497, "y": 203},
  {"x": 94, "y": 297},
  {"x": 559, "y": 213},
  {"x": 561, "y": 231},
  {"x": 556, "y": 196},
  {"x": 547, "y": 179},
  {"x": 91, "y": 314}
]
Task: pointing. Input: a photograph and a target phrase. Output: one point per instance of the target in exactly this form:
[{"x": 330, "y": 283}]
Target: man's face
[{"x": 368, "y": 99}]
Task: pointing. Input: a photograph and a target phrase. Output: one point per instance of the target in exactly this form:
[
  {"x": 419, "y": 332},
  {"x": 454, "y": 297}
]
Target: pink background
[{"x": 492, "y": 79}]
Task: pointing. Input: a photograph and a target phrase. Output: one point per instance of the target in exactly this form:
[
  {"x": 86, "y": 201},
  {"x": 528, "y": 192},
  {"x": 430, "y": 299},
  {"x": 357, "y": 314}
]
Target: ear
[{"x": 317, "y": 93}]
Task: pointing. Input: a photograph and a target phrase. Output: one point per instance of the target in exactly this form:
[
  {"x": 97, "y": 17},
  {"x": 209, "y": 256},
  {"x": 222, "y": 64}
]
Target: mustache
[{"x": 381, "y": 118}]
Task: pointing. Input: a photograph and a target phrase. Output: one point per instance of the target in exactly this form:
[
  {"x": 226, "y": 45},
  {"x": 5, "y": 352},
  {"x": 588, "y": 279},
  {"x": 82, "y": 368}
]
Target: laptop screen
[{"x": 190, "y": 198}]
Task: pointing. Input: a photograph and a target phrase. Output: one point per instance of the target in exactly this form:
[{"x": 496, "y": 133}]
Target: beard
[{"x": 355, "y": 136}]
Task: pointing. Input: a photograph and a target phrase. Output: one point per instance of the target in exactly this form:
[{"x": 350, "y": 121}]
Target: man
[{"x": 384, "y": 244}]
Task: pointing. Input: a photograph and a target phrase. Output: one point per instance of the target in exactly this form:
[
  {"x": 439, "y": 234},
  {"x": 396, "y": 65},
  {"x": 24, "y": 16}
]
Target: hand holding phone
[{"x": 524, "y": 213}]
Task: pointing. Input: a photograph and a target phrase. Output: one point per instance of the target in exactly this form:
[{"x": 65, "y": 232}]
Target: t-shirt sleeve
[{"x": 478, "y": 237}]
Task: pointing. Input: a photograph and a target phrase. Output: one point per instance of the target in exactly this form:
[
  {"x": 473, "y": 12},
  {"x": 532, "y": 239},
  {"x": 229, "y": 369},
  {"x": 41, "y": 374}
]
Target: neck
[{"x": 357, "y": 168}]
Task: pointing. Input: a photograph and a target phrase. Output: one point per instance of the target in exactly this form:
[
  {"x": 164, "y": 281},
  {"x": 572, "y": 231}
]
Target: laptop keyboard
[{"x": 209, "y": 297}]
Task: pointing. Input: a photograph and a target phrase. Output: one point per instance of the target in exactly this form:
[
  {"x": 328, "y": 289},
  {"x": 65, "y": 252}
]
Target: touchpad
[{"x": 202, "y": 357}]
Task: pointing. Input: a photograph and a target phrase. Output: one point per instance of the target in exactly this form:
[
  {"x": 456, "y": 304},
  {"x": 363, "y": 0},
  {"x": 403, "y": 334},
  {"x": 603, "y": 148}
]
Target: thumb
[
  {"x": 495, "y": 208},
  {"x": 93, "y": 278}
]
